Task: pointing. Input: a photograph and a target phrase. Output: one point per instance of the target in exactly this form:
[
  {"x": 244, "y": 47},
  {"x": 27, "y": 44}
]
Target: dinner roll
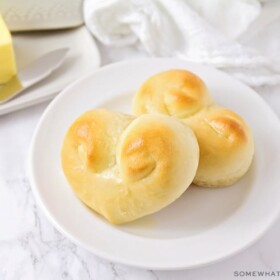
[
  {"x": 226, "y": 146},
  {"x": 176, "y": 93},
  {"x": 225, "y": 141},
  {"x": 126, "y": 167}
]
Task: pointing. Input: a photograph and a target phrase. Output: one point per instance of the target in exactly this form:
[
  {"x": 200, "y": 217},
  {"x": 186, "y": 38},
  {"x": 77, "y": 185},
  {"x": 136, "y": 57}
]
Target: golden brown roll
[
  {"x": 125, "y": 167},
  {"x": 225, "y": 141},
  {"x": 226, "y": 146},
  {"x": 176, "y": 93}
]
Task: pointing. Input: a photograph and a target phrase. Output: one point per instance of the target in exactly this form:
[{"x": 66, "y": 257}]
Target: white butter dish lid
[{"x": 40, "y": 14}]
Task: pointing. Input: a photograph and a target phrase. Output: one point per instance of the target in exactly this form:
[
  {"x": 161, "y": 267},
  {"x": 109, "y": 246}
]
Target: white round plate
[{"x": 203, "y": 225}]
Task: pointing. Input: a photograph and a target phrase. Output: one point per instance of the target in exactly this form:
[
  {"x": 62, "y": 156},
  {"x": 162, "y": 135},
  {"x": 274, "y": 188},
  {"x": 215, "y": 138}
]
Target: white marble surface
[{"x": 31, "y": 248}]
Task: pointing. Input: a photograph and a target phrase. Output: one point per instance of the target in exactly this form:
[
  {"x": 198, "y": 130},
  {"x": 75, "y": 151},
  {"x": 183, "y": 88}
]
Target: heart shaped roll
[
  {"x": 126, "y": 167},
  {"x": 225, "y": 140}
]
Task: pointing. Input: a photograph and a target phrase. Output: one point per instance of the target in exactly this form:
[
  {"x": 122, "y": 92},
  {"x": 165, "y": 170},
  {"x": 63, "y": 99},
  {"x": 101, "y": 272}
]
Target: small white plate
[
  {"x": 82, "y": 58},
  {"x": 204, "y": 225}
]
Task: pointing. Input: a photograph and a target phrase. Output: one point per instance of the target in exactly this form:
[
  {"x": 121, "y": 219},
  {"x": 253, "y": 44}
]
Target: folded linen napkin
[{"x": 194, "y": 30}]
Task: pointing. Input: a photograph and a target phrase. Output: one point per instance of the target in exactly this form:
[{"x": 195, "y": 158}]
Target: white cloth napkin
[{"x": 196, "y": 30}]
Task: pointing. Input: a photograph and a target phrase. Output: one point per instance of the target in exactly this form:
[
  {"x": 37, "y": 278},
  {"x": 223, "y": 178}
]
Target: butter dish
[
  {"x": 32, "y": 74},
  {"x": 39, "y": 14},
  {"x": 82, "y": 59}
]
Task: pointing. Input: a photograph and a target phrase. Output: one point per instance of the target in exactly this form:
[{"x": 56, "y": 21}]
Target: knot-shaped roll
[
  {"x": 176, "y": 93},
  {"x": 225, "y": 140},
  {"x": 126, "y": 167}
]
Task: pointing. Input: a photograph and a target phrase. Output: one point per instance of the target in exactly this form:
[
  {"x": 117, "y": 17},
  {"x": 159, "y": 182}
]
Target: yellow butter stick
[{"x": 7, "y": 56}]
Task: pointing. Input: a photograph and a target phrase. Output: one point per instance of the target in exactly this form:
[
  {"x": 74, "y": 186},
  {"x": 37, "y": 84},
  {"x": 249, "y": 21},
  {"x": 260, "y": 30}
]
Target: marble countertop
[{"x": 31, "y": 248}]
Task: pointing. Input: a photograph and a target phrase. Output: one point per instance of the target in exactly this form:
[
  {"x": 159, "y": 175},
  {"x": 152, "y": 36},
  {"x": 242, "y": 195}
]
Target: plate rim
[{"x": 102, "y": 254}]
